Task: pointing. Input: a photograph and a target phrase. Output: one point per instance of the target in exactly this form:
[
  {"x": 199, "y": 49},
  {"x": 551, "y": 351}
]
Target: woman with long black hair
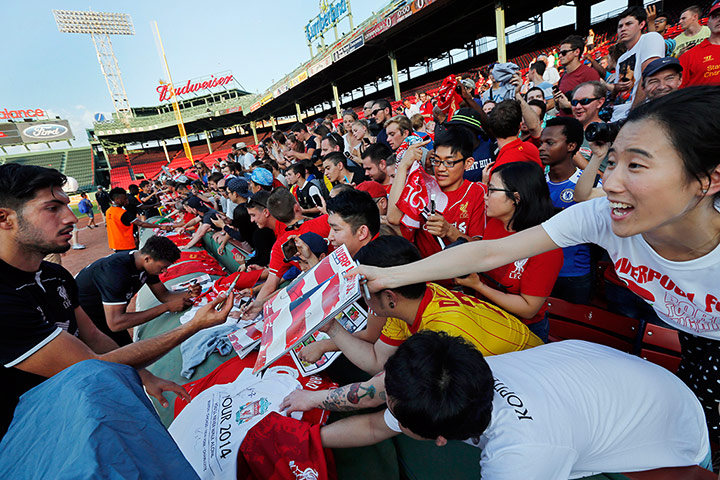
[{"x": 517, "y": 199}]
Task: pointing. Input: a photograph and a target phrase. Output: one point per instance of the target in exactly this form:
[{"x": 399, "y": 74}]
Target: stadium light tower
[{"x": 100, "y": 25}]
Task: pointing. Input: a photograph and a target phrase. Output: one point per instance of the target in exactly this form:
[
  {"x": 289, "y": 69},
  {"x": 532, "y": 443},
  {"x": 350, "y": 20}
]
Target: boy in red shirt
[
  {"x": 505, "y": 121},
  {"x": 701, "y": 64},
  {"x": 283, "y": 206},
  {"x": 464, "y": 216}
]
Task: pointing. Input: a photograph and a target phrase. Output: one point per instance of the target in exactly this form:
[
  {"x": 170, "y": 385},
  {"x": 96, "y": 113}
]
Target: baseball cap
[
  {"x": 714, "y": 7},
  {"x": 240, "y": 145},
  {"x": 468, "y": 83},
  {"x": 317, "y": 244},
  {"x": 259, "y": 199},
  {"x": 661, "y": 64},
  {"x": 373, "y": 188},
  {"x": 467, "y": 117},
  {"x": 239, "y": 186},
  {"x": 262, "y": 176},
  {"x": 196, "y": 203}
]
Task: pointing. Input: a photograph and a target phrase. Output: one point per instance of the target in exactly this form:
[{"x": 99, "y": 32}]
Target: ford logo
[{"x": 45, "y": 131}]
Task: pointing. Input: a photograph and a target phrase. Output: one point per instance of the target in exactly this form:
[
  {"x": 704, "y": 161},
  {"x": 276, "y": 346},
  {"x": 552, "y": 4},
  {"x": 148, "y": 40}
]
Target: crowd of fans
[{"x": 522, "y": 162}]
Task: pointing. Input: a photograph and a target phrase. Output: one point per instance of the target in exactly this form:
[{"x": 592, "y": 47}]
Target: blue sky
[{"x": 258, "y": 41}]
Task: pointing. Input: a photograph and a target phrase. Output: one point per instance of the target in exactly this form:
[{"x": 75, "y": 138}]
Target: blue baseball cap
[
  {"x": 661, "y": 64},
  {"x": 262, "y": 176},
  {"x": 317, "y": 244},
  {"x": 239, "y": 186}
]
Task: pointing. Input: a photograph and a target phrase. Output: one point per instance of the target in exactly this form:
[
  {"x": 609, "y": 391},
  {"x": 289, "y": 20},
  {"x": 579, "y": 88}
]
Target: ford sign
[{"x": 47, "y": 131}]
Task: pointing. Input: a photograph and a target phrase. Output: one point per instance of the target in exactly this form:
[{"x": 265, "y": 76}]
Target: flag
[{"x": 415, "y": 197}]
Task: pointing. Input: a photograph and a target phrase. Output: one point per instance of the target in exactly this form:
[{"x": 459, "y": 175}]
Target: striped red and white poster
[
  {"x": 339, "y": 261},
  {"x": 304, "y": 315}
]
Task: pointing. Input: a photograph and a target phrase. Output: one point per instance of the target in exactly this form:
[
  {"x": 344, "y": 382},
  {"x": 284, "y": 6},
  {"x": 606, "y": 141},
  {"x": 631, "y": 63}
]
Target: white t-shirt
[
  {"x": 684, "y": 294},
  {"x": 572, "y": 409},
  {"x": 247, "y": 160},
  {"x": 211, "y": 428},
  {"x": 630, "y": 63},
  {"x": 551, "y": 75}
]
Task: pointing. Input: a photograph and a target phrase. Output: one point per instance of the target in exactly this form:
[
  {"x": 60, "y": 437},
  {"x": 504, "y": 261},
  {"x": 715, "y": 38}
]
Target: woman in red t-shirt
[{"x": 518, "y": 198}]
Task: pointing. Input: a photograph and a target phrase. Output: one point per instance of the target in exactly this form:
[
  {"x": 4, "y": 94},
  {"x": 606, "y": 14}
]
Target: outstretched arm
[
  {"x": 356, "y": 431},
  {"x": 461, "y": 260},
  {"x": 355, "y": 396}
]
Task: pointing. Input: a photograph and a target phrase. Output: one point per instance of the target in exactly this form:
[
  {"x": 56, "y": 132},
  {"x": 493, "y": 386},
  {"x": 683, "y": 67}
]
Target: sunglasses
[
  {"x": 583, "y": 101},
  {"x": 375, "y": 112},
  {"x": 562, "y": 53}
]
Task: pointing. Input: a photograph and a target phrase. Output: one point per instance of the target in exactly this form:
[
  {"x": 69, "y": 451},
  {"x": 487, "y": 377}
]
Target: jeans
[
  {"x": 541, "y": 328},
  {"x": 574, "y": 289}
]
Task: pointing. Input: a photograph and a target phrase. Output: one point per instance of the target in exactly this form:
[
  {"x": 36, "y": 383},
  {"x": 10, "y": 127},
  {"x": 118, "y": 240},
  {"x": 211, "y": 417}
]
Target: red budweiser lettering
[
  {"x": 33, "y": 112},
  {"x": 166, "y": 92}
]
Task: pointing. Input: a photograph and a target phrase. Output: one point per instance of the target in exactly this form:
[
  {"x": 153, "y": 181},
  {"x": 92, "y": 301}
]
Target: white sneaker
[{"x": 78, "y": 246}]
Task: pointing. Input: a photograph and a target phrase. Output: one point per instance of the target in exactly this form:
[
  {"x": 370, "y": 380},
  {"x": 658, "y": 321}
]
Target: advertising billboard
[{"x": 35, "y": 132}]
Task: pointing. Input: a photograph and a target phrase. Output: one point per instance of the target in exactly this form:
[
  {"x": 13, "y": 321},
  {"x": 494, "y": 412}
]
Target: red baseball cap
[
  {"x": 373, "y": 188},
  {"x": 714, "y": 7}
]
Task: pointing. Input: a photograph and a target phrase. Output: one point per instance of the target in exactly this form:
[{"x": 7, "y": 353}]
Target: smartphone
[
  {"x": 318, "y": 201},
  {"x": 555, "y": 89},
  {"x": 366, "y": 141},
  {"x": 289, "y": 249}
]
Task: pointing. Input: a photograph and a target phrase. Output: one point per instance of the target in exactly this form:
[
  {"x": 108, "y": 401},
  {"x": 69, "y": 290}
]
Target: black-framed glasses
[
  {"x": 562, "y": 53},
  {"x": 375, "y": 112},
  {"x": 496, "y": 189},
  {"x": 436, "y": 162},
  {"x": 583, "y": 101}
]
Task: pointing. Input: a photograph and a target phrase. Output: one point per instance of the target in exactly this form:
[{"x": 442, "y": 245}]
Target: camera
[{"x": 603, "y": 132}]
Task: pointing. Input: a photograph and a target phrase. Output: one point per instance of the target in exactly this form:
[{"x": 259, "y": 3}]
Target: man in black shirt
[
  {"x": 103, "y": 199},
  {"x": 107, "y": 285},
  {"x": 44, "y": 328},
  {"x": 149, "y": 200}
]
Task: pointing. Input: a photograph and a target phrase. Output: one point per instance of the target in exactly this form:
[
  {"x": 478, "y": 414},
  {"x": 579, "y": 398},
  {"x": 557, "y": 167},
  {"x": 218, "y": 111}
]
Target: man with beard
[{"x": 45, "y": 329}]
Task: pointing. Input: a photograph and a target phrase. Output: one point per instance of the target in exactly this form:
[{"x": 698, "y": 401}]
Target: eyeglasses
[
  {"x": 375, "y": 112},
  {"x": 435, "y": 162},
  {"x": 583, "y": 101},
  {"x": 496, "y": 189},
  {"x": 562, "y": 53}
]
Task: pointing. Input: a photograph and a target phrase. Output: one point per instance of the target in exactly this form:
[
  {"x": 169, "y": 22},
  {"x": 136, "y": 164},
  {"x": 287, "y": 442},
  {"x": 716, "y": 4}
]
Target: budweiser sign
[{"x": 166, "y": 91}]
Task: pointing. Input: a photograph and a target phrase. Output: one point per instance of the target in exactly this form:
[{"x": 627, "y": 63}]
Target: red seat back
[{"x": 583, "y": 322}]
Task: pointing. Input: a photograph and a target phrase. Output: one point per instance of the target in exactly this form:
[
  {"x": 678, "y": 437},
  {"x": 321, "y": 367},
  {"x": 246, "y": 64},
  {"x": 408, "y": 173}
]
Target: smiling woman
[{"x": 660, "y": 225}]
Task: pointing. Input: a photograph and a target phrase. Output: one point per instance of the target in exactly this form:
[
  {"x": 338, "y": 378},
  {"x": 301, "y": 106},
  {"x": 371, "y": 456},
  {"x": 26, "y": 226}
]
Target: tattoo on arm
[{"x": 345, "y": 399}]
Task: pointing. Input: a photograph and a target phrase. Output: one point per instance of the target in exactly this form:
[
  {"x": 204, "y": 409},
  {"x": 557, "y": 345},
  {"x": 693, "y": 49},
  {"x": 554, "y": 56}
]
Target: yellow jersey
[{"x": 492, "y": 330}]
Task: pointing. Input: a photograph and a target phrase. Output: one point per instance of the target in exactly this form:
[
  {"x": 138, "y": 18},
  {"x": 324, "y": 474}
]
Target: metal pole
[
  {"x": 207, "y": 139},
  {"x": 272, "y": 124},
  {"x": 394, "y": 74},
  {"x": 350, "y": 15},
  {"x": 254, "y": 130},
  {"x": 167, "y": 157},
  {"x": 337, "y": 101},
  {"x": 298, "y": 113},
  {"x": 176, "y": 107},
  {"x": 500, "y": 32}
]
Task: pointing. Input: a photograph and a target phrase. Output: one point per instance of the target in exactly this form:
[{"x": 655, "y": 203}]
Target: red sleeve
[
  {"x": 541, "y": 273},
  {"x": 318, "y": 225},
  {"x": 277, "y": 265},
  {"x": 477, "y": 220},
  {"x": 535, "y": 141},
  {"x": 686, "y": 64}
]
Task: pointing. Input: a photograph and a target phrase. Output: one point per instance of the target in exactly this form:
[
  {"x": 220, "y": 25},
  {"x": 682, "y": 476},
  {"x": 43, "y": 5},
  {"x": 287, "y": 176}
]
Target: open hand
[
  {"x": 156, "y": 386},
  {"x": 300, "y": 401},
  {"x": 208, "y": 316}
]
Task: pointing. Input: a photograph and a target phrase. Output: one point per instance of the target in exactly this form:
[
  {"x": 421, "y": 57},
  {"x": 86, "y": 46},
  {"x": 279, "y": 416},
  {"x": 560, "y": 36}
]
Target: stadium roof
[
  {"x": 427, "y": 33},
  {"x": 437, "y": 27}
]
